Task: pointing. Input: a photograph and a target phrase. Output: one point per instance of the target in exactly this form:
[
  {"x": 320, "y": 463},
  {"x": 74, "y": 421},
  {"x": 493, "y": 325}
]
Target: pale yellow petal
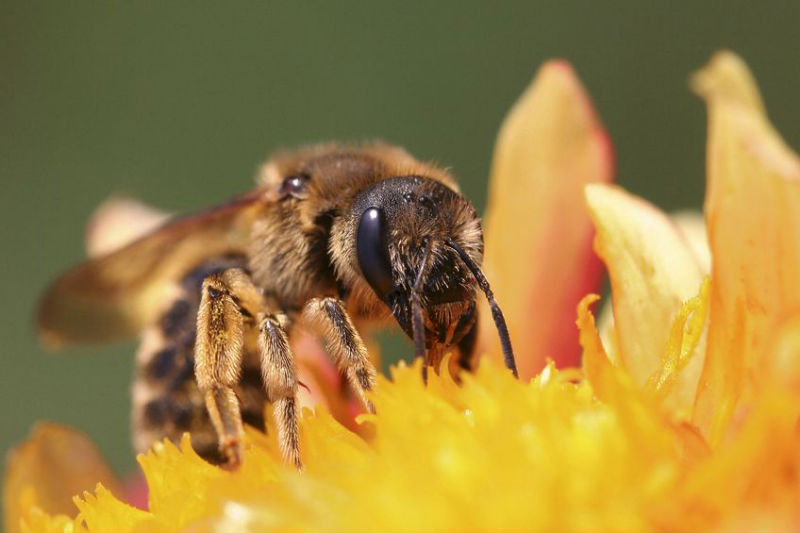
[
  {"x": 692, "y": 226},
  {"x": 652, "y": 273},
  {"x": 608, "y": 330}
]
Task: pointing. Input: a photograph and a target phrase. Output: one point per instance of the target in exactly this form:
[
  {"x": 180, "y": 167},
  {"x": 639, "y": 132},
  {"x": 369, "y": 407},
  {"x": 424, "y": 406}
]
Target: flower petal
[
  {"x": 727, "y": 78},
  {"x": 674, "y": 383},
  {"x": 47, "y": 470},
  {"x": 692, "y": 226},
  {"x": 753, "y": 215},
  {"x": 538, "y": 233},
  {"x": 783, "y": 368},
  {"x": 652, "y": 270},
  {"x": 603, "y": 376},
  {"x": 753, "y": 478}
]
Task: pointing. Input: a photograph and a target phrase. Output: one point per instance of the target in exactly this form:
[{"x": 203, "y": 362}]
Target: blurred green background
[{"x": 177, "y": 103}]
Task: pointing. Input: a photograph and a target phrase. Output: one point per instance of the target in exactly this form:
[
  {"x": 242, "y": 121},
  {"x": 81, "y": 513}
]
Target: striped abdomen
[{"x": 166, "y": 399}]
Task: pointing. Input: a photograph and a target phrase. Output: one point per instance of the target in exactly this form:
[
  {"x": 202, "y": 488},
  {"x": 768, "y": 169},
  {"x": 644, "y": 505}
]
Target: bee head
[{"x": 418, "y": 245}]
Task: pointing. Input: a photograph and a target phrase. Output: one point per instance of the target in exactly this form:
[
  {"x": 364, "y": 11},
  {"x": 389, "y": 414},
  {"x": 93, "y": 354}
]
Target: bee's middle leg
[
  {"x": 329, "y": 320},
  {"x": 280, "y": 378}
]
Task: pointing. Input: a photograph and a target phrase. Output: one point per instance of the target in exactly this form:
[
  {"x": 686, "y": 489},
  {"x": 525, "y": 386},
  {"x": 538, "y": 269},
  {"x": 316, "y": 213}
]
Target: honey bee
[{"x": 332, "y": 236}]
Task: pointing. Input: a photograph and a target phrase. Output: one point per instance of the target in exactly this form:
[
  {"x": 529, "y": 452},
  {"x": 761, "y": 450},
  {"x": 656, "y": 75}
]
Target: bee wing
[{"x": 115, "y": 295}]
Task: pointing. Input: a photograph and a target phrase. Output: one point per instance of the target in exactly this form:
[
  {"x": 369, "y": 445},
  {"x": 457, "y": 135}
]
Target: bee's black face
[
  {"x": 447, "y": 300},
  {"x": 403, "y": 228}
]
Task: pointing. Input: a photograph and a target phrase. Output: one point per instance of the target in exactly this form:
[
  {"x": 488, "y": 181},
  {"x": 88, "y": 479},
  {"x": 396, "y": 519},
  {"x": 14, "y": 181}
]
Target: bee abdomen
[{"x": 166, "y": 398}]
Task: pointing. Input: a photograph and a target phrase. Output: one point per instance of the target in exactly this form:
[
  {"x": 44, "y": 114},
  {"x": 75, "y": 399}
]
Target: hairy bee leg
[
  {"x": 280, "y": 379},
  {"x": 329, "y": 320},
  {"x": 218, "y": 354}
]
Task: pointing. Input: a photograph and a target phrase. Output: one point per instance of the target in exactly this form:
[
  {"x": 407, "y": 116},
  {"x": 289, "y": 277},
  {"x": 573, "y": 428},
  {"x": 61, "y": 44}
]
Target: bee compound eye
[{"x": 372, "y": 252}]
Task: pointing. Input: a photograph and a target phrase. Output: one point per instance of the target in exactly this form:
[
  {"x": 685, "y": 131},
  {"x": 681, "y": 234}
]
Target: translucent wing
[{"x": 114, "y": 296}]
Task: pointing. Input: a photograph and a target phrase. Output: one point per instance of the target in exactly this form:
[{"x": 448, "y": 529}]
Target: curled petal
[
  {"x": 753, "y": 215},
  {"x": 652, "y": 273},
  {"x": 692, "y": 227},
  {"x": 538, "y": 233}
]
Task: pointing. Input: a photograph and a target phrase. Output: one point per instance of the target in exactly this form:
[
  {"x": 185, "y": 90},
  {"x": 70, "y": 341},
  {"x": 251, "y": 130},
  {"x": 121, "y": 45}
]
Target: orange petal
[
  {"x": 47, "y": 470},
  {"x": 752, "y": 479},
  {"x": 601, "y": 374},
  {"x": 538, "y": 233},
  {"x": 652, "y": 270},
  {"x": 783, "y": 368},
  {"x": 753, "y": 216}
]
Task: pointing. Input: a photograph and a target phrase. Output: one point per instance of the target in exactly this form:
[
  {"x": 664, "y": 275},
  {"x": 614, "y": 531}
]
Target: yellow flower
[{"x": 685, "y": 419}]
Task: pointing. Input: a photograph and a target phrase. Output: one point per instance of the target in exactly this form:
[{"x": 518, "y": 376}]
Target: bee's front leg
[
  {"x": 328, "y": 318},
  {"x": 226, "y": 299}
]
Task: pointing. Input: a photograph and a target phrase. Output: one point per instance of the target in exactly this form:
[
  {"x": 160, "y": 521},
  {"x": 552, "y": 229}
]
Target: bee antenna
[
  {"x": 497, "y": 314},
  {"x": 416, "y": 312}
]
